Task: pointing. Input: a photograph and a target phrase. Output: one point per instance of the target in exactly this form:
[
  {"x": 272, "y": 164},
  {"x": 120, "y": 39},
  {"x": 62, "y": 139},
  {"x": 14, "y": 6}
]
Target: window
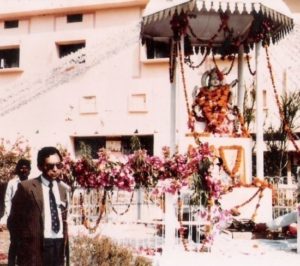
[
  {"x": 74, "y": 18},
  {"x": 66, "y": 49},
  {"x": 88, "y": 105},
  {"x": 121, "y": 143},
  {"x": 9, "y": 57},
  {"x": 157, "y": 49},
  {"x": 138, "y": 102},
  {"x": 9, "y": 24}
]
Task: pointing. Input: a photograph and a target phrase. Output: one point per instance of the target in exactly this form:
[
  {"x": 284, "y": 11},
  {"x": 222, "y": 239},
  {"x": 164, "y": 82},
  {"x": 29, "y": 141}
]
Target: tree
[
  {"x": 10, "y": 153},
  {"x": 277, "y": 138}
]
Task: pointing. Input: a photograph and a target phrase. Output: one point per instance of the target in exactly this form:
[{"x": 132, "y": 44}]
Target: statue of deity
[{"x": 212, "y": 105}]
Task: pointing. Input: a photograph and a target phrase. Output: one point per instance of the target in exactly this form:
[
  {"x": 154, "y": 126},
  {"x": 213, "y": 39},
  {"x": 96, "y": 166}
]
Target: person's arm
[
  {"x": 15, "y": 220},
  {"x": 7, "y": 202}
]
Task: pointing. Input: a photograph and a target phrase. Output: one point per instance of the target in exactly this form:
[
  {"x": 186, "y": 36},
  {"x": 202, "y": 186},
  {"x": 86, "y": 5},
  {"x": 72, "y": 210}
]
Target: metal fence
[
  {"x": 134, "y": 219},
  {"x": 137, "y": 219},
  {"x": 285, "y": 195}
]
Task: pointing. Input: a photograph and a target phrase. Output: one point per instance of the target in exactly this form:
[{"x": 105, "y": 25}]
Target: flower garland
[
  {"x": 253, "y": 73},
  {"x": 172, "y": 61},
  {"x": 232, "y": 58},
  {"x": 232, "y": 173},
  {"x": 84, "y": 219},
  {"x": 191, "y": 117},
  {"x": 286, "y": 127},
  {"x": 189, "y": 62},
  {"x": 127, "y": 208},
  {"x": 261, "y": 185},
  {"x": 214, "y": 105}
]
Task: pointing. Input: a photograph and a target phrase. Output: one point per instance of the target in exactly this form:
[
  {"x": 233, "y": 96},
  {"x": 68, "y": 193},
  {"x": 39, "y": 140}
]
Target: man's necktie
[{"x": 53, "y": 209}]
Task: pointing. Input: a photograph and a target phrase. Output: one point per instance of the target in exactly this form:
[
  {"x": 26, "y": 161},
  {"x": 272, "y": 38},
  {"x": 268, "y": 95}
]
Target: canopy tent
[
  {"x": 246, "y": 22},
  {"x": 220, "y": 27}
]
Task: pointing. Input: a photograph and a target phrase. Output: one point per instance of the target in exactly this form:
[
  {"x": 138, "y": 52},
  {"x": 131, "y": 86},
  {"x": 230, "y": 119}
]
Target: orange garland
[
  {"x": 126, "y": 210},
  {"x": 238, "y": 160},
  {"x": 85, "y": 221},
  {"x": 286, "y": 127},
  {"x": 261, "y": 185},
  {"x": 214, "y": 104}
]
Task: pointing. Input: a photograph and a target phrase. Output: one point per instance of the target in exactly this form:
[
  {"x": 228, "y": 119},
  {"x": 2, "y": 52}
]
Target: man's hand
[{"x": 3, "y": 227}]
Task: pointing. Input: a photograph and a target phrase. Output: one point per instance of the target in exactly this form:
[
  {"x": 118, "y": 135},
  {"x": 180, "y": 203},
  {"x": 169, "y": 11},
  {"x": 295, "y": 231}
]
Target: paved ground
[{"x": 226, "y": 252}]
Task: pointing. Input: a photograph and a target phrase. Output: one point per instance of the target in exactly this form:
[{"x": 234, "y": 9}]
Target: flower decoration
[
  {"x": 85, "y": 172},
  {"x": 179, "y": 24},
  {"x": 67, "y": 171},
  {"x": 114, "y": 173},
  {"x": 205, "y": 185},
  {"x": 145, "y": 168},
  {"x": 214, "y": 106},
  {"x": 218, "y": 219}
]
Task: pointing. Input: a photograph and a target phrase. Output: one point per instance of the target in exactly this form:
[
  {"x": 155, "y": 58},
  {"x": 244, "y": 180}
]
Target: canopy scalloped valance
[{"x": 217, "y": 23}]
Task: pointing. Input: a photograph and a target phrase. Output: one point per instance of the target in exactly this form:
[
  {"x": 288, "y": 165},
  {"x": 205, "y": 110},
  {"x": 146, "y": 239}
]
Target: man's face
[
  {"x": 23, "y": 172},
  {"x": 52, "y": 167}
]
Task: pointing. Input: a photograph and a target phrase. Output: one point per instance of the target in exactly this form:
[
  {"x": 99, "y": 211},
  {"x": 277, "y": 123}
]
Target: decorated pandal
[{"x": 198, "y": 193}]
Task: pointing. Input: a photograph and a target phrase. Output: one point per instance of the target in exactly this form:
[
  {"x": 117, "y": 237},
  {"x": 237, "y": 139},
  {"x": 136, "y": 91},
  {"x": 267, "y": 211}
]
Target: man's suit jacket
[{"x": 26, "y": 220}]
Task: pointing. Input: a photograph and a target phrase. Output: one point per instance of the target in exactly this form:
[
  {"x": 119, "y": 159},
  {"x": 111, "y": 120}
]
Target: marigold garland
[
  {"x": 232, "y": 173},
  {"x": 85, "y": 221},
  {"x": 261, "y": 185},
  {"x": 127, "y": 208},
  {"x": 286, "y": 127}
]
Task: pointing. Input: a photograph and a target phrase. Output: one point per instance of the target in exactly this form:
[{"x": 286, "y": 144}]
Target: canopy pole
[
  {"x": 240, "y": 88},
  {"x": 169, "y": 198},
  {"x": 298, "y": 214},
  {"x": 173, "y": 105},
  {"x": 259, "y": 115}
]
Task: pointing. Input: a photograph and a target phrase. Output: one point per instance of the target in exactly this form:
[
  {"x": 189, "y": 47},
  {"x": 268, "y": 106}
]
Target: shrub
[
  {"x": 10, "y": 153},
  {"x": 102, "y": 251}
]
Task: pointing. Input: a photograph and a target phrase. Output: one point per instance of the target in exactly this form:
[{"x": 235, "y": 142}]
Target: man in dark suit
[{"x": 38, "y": 214}]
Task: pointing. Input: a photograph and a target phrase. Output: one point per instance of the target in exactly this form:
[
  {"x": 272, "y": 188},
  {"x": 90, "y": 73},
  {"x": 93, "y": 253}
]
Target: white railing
[
  {"x": 136, "y": 219},
  {"x": 285, "y": 193},
  {"x": 131, "y": 219}
]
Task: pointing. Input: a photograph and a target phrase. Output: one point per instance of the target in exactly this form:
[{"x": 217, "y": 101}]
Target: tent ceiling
[{"x": 217, "y": 23}]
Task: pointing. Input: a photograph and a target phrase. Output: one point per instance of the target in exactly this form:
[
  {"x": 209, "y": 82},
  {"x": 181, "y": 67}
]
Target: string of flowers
[
  {"x": 191, "y": 118},
  {"x": 253, "y": 73},
  {"x": 189, "y": 62},
  {"x": 84, "y": 219},
  {"x": 172, "y": 61},
  {"x": 127, "y": 207},
  {"x": 232, "y": 173},
  {"x": 281, "y": 113},
  {"x": 232, "y": 58},
  {"x": 235, "y": 209},
  {"x": 261, "y": 185}
]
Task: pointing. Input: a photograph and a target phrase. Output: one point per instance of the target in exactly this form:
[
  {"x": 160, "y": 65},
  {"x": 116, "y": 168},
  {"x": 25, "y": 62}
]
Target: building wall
[
  {"x": 116, "y": 83},
  {"x": 121, "y": 93}
]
